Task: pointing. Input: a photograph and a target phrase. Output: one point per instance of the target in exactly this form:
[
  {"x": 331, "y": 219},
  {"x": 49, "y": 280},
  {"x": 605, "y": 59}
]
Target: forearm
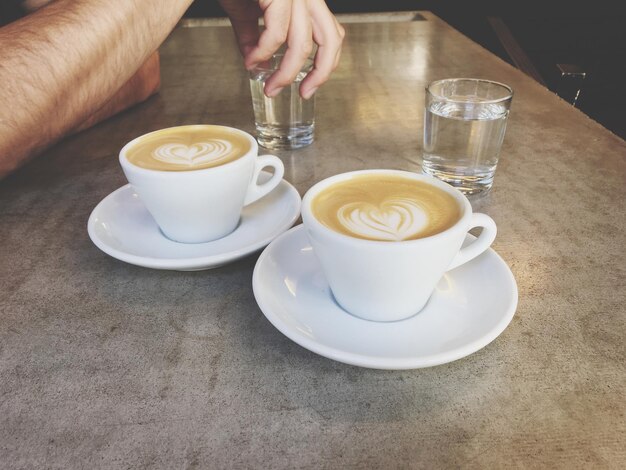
[
  {"x": 61, "y": 64},
  {"x": 140, "y": 87}
]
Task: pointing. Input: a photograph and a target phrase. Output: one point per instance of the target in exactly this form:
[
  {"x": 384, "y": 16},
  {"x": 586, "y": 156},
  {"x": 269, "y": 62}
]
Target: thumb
[{"x": 247, "y": 33}]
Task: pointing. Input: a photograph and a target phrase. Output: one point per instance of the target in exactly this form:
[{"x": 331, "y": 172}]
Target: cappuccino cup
[
  {"x": 195, "y": 180},
  {"x": 384, "y": 238}
]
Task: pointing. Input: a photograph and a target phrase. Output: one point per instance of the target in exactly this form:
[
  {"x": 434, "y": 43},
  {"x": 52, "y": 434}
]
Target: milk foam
[
  {"x": 199, "y": 153},
  {"x": 385, "y": 207},
  {"x": 395, "y": 219}
]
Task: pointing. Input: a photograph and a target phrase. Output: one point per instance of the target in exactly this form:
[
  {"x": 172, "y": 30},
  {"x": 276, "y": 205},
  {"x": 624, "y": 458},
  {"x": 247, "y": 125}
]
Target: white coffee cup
[
  {"x": 205, "y": 204},
  {"x": 389, "y": 281}
]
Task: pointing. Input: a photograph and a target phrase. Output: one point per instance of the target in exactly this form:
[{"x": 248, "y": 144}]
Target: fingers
[
  {"x": 244, "y": 16},
  {"x": 328, "y": 34},
  {"x": 299, "y": 22},
  {"x": 277, "y": 16},
  {"x": 300, "y": 45},
  {"x": 247, "y": 33}
]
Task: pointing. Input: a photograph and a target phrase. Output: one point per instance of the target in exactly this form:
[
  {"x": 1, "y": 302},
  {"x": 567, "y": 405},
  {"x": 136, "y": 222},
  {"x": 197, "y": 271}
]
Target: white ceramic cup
[
  {"x": 202, "y": 205},
  {"x": 389, "y": 281}
]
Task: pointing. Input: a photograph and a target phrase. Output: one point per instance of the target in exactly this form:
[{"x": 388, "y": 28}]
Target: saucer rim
[
  {"x": 373, "y": 361},
  {"x": 192, "y": 263}
]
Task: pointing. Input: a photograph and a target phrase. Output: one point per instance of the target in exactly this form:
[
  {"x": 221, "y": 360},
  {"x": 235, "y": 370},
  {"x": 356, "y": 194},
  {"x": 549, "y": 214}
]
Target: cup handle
[
  {"x": 484, "y": 240},
  {"x": 257, "y": 191}
]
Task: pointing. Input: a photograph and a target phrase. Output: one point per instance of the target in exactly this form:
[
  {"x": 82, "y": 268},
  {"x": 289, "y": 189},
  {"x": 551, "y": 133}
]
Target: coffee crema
[
  {"x": 385, "y": 207},
  {"x": 187, "y": 148}
]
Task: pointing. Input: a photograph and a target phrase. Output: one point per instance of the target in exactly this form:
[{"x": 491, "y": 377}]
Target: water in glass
[
  {"x": 285, "y": 121},
  {"x": 462, "y": 142}
]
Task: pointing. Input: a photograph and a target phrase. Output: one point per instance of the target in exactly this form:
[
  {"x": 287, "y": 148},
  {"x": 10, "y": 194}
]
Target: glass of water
[
  {"x": 464, "y": 125},
  {"x": 286, "y": 121}
]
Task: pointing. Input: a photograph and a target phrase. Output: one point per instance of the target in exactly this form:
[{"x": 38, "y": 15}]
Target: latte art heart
[
  {"x": 393, "y": 220},
  {"x": 386, "y": 207},
  {"x": 192, "y": 155}
]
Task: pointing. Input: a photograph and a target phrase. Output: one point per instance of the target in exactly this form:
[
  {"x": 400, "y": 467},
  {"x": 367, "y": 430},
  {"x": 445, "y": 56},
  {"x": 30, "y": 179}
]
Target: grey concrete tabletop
[{"x": 107, "y": 365}]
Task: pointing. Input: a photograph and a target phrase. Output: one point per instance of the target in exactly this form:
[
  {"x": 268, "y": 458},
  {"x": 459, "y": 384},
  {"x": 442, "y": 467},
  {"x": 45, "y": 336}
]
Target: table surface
[{"x": 104, "y": 364}]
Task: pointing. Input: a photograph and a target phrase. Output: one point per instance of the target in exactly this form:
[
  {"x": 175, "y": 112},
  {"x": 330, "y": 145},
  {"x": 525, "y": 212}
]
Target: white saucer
[
  {"x": 471, "y": 306},
  {"x": 122, "y": 227}
]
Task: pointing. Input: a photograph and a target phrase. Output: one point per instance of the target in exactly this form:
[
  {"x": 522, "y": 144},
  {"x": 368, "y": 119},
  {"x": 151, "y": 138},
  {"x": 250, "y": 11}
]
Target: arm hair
[{"x": 61, "y": 64}]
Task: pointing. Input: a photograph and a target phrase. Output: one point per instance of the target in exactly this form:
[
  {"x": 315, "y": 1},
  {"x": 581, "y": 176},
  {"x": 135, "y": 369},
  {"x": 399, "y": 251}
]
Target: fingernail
[
  {"x": 308, "y": 94},
  {"x": 273, "y": 92}
]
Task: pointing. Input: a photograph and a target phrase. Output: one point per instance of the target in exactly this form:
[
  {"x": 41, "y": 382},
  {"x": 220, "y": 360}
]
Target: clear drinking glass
[
  {"x": 464, "y": 125},
  {"x": 286, "y": 121}
]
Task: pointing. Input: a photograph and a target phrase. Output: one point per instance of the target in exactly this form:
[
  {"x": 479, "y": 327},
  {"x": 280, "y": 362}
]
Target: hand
[{"x": 300, "y": 23}]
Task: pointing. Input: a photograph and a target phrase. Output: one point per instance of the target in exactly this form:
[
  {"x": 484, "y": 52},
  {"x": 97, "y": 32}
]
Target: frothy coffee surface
[
  {"x": 385, "y": 208},
  {"x": 188, "y": 148}
]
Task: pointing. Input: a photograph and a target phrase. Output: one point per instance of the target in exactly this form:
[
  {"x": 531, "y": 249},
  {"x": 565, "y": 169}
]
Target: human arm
[
  {"x": 63, "y": 63},
  {"x": 141, "y": 86},
  {"x": 299, "y": 23}
]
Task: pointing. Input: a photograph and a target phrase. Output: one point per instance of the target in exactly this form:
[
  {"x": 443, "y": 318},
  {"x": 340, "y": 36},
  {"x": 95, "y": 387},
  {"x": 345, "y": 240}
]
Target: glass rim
[
  {"x": 508, "y": 97},
  {"x": 306, "y": 67}
]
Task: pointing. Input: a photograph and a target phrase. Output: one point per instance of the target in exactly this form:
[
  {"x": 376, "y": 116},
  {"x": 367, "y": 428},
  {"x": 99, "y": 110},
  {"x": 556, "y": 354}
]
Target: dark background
[{"x": 591, "y": 35}]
